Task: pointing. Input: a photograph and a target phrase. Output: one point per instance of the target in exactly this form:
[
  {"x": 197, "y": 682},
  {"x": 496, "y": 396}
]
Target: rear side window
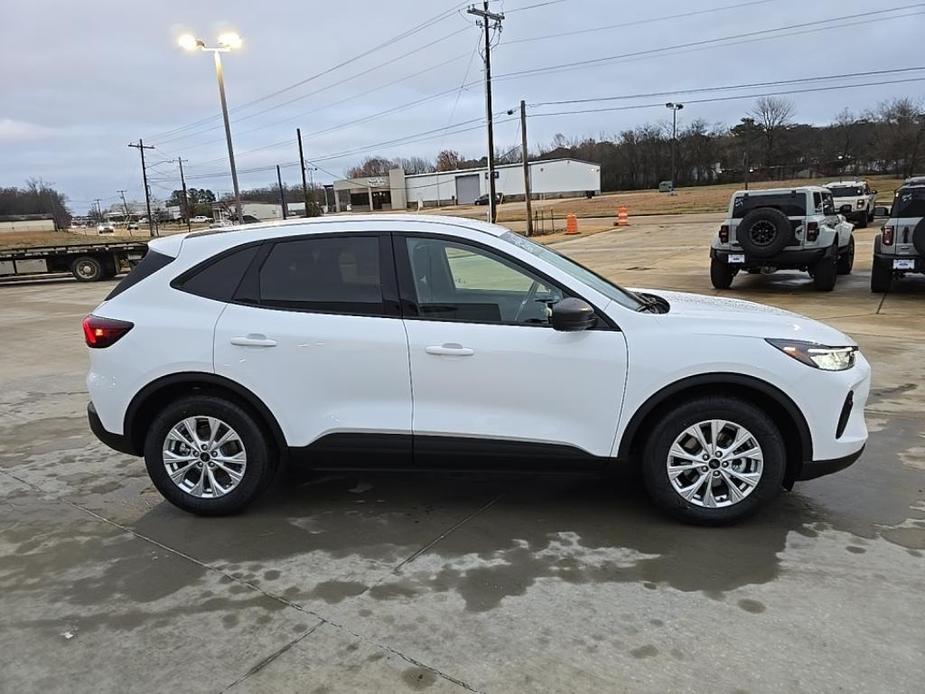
[
  {"x": 910, "y": 202},
  {"x": 147, "y": 266},
  {"x": 336, "y": 274},
  {"x": 791, "y": 204},
  {"x": 220, "y": 278}
]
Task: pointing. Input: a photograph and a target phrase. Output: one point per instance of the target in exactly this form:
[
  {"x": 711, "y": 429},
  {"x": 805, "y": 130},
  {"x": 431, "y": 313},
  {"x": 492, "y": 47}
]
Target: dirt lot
[
  {"x": 649, "y": 202},
  {"x": 418, "y": 582}
]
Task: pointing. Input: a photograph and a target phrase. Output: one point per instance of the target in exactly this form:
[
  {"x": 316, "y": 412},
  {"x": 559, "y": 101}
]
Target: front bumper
[
  {"x": 117, "y": 442},
  {"x": 805, "y": 257},
  {"x": 818, "y": 468}
]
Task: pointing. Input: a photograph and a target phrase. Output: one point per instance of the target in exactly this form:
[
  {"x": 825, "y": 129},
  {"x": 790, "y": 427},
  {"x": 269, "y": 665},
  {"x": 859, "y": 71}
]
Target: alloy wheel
[
  {"x": 715, "y": 463},
  {"x": 204, "y": 457}
]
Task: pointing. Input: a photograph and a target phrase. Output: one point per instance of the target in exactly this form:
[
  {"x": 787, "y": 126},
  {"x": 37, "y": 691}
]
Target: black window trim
[
  {"x": 388, "y": 282},
  {"x": 406, "y": 291}
]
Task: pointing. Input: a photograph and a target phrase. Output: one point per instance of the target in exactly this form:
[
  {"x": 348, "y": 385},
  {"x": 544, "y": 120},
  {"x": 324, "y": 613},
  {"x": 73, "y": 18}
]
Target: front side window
[
  {"x": 458, "y": 282},
  {"x": 335, "y": 275}
]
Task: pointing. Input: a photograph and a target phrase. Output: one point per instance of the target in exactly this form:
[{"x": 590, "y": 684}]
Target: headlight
[{"x": 816, "y": 355}]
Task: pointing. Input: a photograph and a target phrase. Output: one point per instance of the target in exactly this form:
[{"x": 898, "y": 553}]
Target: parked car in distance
[
  {"x": 300, "y": 341},
  {"x": 483, "y": 199},
  {"x": 855, "y": 200},
  {"x": 200, "y": 219},
  {"x": 783, "y": 229},
  {"x": 105, "y": 228},
  {"x": 899, "y": 248},
  {"x": 131, "y": 226}
]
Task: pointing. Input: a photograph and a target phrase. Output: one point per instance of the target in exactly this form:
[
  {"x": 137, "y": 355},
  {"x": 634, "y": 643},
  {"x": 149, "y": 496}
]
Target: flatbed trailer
[{"x": 87, "y": 258}]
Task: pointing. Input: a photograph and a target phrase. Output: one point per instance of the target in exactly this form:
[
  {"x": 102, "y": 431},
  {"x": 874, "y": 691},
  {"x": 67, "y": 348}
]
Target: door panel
[{"x": 325, "y": 374}]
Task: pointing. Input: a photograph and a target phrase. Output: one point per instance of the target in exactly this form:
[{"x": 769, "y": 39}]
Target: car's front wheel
[
  {"x": 208, "y": 455},
  {"x": 846, "y": 260},
  {"x": 713, "y": 460}
]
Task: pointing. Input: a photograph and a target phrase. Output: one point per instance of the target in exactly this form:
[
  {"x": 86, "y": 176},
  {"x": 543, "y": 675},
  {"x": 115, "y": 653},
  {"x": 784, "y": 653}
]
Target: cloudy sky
[{"x": 82, "y": 79}]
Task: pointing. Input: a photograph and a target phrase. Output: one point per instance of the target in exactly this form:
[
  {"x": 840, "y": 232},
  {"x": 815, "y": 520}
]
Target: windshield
[
  {"x": 846, "y": 191},
  {"x": 622, "y": 296},
  {"x": 910, "y": 202}
]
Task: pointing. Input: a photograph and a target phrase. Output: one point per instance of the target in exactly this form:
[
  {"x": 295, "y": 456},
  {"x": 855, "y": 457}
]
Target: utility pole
[
  {"x": 99, "y": 212},
  {"x": 125, "y": 210},
  {"x": 282, "y": 193},
  {"x": 189, "y": 224},
  {"x": 298, "y": 132},
  {"x": 527, "y": 187},
  {"x": 674, "y": 140},
  {"x": 141, "y": 147},
  {"x": 488, "y": 21}
]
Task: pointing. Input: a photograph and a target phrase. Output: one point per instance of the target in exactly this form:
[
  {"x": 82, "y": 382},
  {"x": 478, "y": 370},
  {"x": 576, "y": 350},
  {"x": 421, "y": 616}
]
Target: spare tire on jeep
[
  {"x": 918, "y": 236},
  {"x": 764, "y": 232}
]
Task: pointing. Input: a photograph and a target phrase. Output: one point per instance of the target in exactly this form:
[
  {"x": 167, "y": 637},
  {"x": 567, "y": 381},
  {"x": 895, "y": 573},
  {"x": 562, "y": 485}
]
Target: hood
[{"x": 697, "y": 313}]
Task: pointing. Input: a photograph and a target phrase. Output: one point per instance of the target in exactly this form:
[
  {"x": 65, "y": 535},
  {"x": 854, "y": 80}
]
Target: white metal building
[{"x": 551, "y": 178}]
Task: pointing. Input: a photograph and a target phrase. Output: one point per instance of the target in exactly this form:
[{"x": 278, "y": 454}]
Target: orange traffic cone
[
  {"x": 623, "y": 216},
  {"x": 571, "y": 225}
]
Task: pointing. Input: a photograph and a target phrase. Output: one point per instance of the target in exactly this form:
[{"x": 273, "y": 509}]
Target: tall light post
[
  {"x": 226, "y": 42},
  {"x": 674, "y": 137}
]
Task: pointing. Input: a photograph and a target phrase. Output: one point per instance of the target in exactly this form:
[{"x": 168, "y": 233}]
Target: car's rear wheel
[
  {"x": 208, "y": 455},
  {"x": 721, "y": 273},
  {"x": 713, "y": 460},
  {"x": 825, "y": 271},
  {"x": 881, "y": 277},
  {"x": 846, "y": 260}
]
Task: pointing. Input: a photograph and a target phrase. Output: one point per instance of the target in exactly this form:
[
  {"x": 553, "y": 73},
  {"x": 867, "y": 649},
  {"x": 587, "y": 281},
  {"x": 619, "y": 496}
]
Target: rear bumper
[
  {"x": 887, "y": 260},
  {"x": 117, "y": 442},
  {"x": 819, "y": 468},
  {"x": 787, "y": 259}
]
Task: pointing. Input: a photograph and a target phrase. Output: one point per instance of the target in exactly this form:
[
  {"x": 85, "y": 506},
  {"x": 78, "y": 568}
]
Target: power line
[
  {"x": 763, "y": 34},
  {"x": 638, "y": 22},
  {"x": 729, "y": 87},
  {"x": 389, "y": 42},
  {"x": 732, "y": 98}
]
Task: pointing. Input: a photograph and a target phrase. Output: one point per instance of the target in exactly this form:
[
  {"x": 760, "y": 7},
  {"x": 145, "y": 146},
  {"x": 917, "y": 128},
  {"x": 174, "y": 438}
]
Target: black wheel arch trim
[
  {"x": 199, "y": 377},
  {"x": 663, "y": 395}
]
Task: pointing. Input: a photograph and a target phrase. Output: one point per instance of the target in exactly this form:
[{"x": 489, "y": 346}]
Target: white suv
[
  {"x": 855, "y": 200},
  {"x": 425, "y": 342},
  {"x": 783, "y": 229}
]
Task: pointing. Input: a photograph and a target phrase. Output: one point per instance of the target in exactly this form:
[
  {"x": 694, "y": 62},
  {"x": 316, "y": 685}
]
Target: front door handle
[
  {"x": 450, "y": 349},
  {"x": 253, "y": 340}
]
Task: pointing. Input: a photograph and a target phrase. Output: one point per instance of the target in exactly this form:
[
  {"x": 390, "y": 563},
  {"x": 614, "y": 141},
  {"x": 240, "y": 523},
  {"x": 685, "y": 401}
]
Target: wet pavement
[{"x": 451, "y": 583}]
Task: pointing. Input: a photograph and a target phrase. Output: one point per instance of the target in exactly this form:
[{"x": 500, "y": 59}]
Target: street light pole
[
  {"x": 226, "y": 42},
  {"x": 674, "y": 138}
]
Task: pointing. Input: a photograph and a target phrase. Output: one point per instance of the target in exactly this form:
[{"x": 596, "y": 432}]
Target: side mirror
[
  {"x": 881, "y": 212},
  {"x": 573, "y": 315},
  {"x": 844, "y": 209}
]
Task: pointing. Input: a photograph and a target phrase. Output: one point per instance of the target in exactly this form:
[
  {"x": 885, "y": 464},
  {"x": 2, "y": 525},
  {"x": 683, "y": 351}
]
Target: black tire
[
  {"x": 918, "y": 236},
  {"x": 825, "y": 271},
  {"x": 881, "y": 277},
  {"x": 721, "y": 274},
  {"x": 764, "y": 232},
  {"x": 86, "y": 268},
  {"x": 261, "y": 459},
  {"x": 731, "y": 409},
  {"x": 846, "y": 260}
]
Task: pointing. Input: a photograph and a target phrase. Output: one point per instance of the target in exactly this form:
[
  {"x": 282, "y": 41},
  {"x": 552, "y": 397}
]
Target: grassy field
[
  {"x": 36, "y": 239},
  {"x": 697, "y": 199}
]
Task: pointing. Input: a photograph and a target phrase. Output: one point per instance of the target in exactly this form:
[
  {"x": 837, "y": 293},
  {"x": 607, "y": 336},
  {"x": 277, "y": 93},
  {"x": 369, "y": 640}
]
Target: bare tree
[
  {"x": 773, "y": 115},
  {"x": 901, "y": 134},
  {"x": 371, "y": 166},
  {"x": 448, "y": 160}
]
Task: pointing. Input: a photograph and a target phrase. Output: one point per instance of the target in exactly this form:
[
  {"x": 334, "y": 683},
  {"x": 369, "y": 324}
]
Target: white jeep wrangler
[
  {"x": 855, "y": 200},
  {"x": 783, "y": 229}
]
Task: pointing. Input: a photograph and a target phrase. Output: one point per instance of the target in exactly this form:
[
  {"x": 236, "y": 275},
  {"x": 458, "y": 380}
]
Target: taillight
[
  {"x": 887, "y": 236},
  {"x": 103, "y": 332},
  {"x": 724, "y": 233},
  {"x": 812, "y": 231}
]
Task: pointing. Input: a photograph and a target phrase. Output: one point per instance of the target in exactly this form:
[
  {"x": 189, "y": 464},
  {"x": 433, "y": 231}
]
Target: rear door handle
[
  {"x": 450, "y": 349},
  {"x": 253, "y": 340}
]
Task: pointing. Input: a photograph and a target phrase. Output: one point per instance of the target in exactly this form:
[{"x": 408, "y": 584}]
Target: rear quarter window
[
  {"x": 219, "y": 277},
  {"x": 147, "y": 266},
  {"x": 791, "y": 204}
]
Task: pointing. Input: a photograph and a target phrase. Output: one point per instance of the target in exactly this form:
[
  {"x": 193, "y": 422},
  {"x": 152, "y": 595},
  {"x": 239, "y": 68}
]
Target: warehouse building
[{"x": 397, "y": 191}]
